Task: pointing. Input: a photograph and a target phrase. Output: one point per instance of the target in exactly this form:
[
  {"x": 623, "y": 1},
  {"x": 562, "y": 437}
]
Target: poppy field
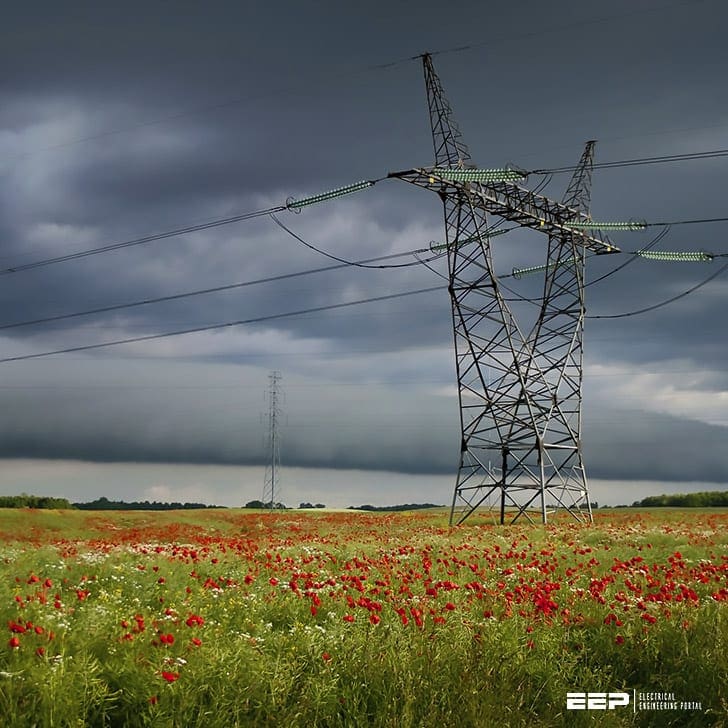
[{"x": 237, "y": 618}]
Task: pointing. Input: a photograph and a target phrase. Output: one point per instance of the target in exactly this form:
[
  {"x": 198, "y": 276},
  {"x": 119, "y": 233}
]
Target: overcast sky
[{"x": 116, "y": 123}]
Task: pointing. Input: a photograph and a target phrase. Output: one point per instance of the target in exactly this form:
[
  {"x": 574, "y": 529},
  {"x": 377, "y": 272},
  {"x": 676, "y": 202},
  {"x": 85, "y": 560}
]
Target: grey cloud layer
[{"x": 121, "y": 411}]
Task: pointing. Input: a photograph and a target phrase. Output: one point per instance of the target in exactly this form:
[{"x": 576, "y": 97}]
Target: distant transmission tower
[
  {"x": 520, "y": 393},
  {"x": 270, "y": 482}
]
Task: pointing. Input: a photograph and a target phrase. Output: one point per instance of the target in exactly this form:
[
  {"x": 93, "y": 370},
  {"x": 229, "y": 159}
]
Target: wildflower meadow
[{"x": 237, "y": 618}]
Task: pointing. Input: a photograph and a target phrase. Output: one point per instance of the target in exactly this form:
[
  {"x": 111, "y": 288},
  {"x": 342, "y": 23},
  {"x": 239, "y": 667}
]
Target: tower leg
[{"x": 557, "y": 348}]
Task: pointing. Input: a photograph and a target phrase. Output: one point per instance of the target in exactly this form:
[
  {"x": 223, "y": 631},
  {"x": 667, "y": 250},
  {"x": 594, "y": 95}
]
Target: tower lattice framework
[
  {"x": 271, "y": 488},
  {"x": 520, "y": 392}
]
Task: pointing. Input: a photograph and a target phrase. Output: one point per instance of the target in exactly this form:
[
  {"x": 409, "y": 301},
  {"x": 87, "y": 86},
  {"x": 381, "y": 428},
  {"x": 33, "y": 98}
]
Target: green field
[{"x": 304, "y": 618}]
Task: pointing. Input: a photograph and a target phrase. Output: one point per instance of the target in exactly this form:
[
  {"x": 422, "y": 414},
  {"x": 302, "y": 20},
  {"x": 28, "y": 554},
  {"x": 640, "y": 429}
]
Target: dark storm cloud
[
  {"x": 201, "y": 414},
  {"x": 633, "y": 444},
  {"x": 125, "y": 411},
  {"x": 122, "y": 121}
]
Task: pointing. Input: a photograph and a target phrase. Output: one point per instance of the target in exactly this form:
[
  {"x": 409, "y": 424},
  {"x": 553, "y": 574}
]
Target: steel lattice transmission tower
[
  {"x": 270, "y": 481},
  {"x": 520, "y": 391}
]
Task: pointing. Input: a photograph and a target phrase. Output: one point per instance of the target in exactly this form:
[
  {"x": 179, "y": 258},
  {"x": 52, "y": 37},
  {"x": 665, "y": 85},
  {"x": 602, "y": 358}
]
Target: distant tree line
[
  {"x": 260, "y": 504},
  {"x": 703, "y": 499},
  {"x": 104, "y": 504},
  {"x": 403, "y": 507},
  {"x": 280, "y": 506},
  {"x": 33, "y": 501}
]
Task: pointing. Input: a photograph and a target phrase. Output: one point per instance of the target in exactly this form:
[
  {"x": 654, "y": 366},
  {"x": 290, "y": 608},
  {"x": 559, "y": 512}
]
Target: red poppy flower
[
  {"x": 170, "y": 677},
  {"x": 14, "y": 642}
]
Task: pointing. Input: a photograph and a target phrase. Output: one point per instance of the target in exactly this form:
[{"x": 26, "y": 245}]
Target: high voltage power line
[
  {"x": 228, "y": 324},
  {"x": 640, "y": 161},
  {"x": 356, "y": 263},
  {"x": 666, "y": 302},
  {"x": 141, "y": 240},
  {"x": 218, "y": 289},
  {"x": 318, "y": 309},
  {"x": 295, "y": 205},
  {"x": 270, "y": 211},
  {"x": 342, "y": 264},
  {"x": 363, "y": 263}
]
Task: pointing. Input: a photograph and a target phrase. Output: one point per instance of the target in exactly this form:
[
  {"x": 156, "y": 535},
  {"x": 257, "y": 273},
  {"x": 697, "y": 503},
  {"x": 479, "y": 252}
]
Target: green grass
[{"x": 474, "y": 626}]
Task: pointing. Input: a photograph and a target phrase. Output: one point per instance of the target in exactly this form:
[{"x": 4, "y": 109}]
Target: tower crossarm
[{"x": 515, "y": 204}]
